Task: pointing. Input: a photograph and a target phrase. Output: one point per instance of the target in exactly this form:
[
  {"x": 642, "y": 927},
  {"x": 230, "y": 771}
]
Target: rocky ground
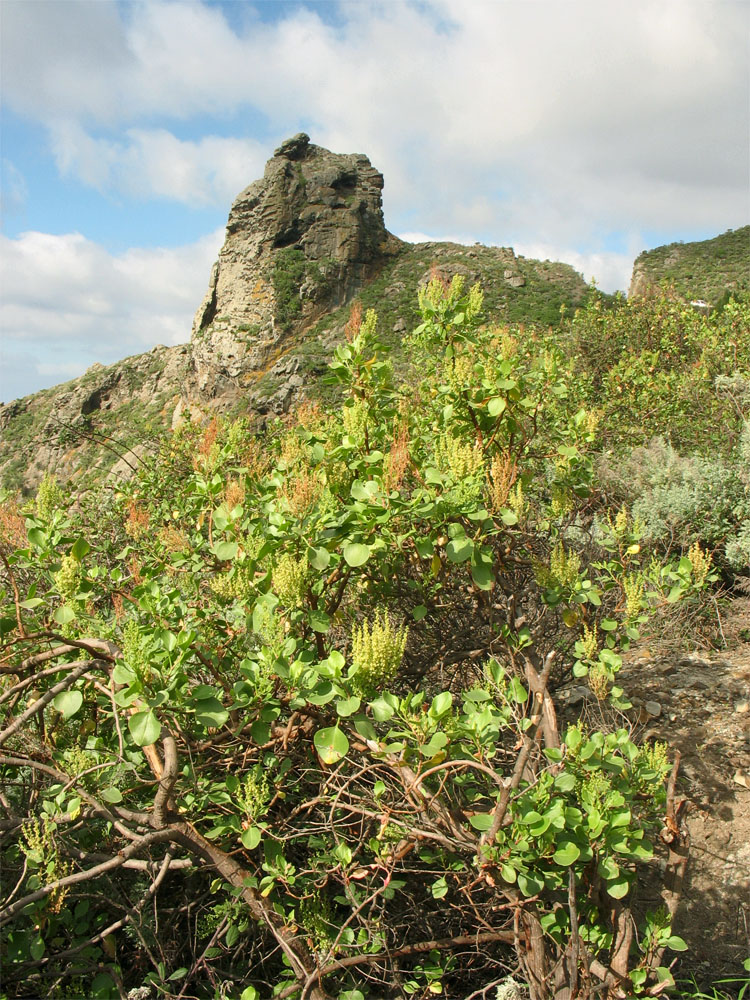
[{"x": 699, "y": 703}]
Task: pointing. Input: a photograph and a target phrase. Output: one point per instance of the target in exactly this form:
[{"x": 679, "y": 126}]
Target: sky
[{"x": 576, "y": 130}]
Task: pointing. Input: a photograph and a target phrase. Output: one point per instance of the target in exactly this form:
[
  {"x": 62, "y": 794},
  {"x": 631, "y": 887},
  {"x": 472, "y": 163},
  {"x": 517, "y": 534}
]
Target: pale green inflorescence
[
  {"x": 290, "y": 580},
  {"x": 377, "y": 651}
]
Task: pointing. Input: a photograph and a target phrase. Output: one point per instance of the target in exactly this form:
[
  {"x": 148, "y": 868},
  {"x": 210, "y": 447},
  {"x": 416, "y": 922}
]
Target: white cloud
[
  {"x": 13, "y": 189},
  {"x": 426, "y": 238},
  {"x": 596, "y": 116},
  {"x": 68, "y": 302},
  {"x": 610, "y": 271}
]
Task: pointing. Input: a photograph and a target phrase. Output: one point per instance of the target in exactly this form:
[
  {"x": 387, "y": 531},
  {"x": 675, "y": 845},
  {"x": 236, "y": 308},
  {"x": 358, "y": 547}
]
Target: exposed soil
[{"x": 699, "y": 703}]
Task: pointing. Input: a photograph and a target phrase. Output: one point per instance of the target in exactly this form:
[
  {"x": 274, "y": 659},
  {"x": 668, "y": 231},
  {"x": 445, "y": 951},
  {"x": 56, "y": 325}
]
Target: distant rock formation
[{"x": 300, "y": 242}]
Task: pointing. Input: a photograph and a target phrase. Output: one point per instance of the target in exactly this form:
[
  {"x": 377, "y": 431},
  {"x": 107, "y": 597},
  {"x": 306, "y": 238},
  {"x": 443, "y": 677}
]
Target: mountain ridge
[{"x": 302, "y": 243}]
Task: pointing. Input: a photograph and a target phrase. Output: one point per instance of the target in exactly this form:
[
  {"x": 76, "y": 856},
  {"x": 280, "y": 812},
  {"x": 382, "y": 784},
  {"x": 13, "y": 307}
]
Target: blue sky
[{"x": 578, "y": 130}]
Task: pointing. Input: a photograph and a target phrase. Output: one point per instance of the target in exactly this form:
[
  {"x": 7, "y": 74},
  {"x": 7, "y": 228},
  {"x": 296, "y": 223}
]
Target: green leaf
[
  {"x": 103, "y": 987},
  {"x": 676, "y": 943},
  {"x": 441, "y": 704},
  {"x": 529, "y": 884},
  {"x": 232, "y": 935},
  {"x": 167, "y": 639},
  {"x": 566, "y": 854},
  {"x": 496, "y": 406},
  {"x": 517, "y": 691},
  {"x": 33, "y": 602},
  {"x": 80, "y": 549},
  {"x": 508, "y": 517},
  {"x": 323, "y": 693},
  {"x": 210, "y": 712},
  {"x": 178, "y": 974},
  {"x": 112, "y": 795},
  {"x": 249, "y": 993},
  {"x": 251, "y": 838},
  {"x": 481, "y": 821},
  {"x": 482, "y": 575},
  {"x": 319, "y": 621},
  {"x": 364, "y": 727},
  {"x": 37, "y": 538},
  {"x": 67, "y": 703},
  {"x": 356, "y": 554},
  {"x": 381, "y": 710},
  {"x": 348, "y": 706},
  {"x": 122, "y": 674},
  {"x": 331, "y": 744},
  {"x": 225, "y": 551},
  {"x": 439, "y": 888},
  {"x": 565, "y": 782},
  {"x": 319, "y": 559},
  {"x": 618, "y": 888},
  {"x": 260, "y": 732},
  {"x": 459, "y": 549},
  {"x": 144, "y": 728},
  {"x": 64, "y": 615},
  {"x": 37, "y": 947},
  {"x": 419, "y": 612}
]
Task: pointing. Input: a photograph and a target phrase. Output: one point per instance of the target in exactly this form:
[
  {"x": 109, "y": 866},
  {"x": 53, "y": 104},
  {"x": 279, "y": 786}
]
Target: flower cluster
[{"x": 377, "y": 651}]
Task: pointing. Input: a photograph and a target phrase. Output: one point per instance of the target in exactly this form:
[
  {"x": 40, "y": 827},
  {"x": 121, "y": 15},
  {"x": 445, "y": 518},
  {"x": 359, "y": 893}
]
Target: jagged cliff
[{"x": 301, "y": 243}]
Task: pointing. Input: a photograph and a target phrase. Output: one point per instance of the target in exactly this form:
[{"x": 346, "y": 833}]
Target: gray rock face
[{"x": 300, "y": 241}]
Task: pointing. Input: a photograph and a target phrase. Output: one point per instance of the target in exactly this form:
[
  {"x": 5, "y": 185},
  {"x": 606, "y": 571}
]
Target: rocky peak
[{"x": 300, "y": 241}]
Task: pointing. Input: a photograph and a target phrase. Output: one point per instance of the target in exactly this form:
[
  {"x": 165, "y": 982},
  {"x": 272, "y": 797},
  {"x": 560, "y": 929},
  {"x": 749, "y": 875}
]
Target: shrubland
[{"x": 280, "y": 713}]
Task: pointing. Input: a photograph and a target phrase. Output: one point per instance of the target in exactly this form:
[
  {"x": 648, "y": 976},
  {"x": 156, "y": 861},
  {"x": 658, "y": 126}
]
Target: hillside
[
  {"x": 708, "y": 270},
  {"x": 396, "y": 696},
  {"x": 301, "y": 243}
]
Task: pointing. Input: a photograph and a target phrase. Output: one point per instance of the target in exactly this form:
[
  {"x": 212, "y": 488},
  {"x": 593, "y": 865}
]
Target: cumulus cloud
[
  {"x": 154, "y": 163},
  {"x": 592, "y": 114},
  {"x": 68, "y": 303}
]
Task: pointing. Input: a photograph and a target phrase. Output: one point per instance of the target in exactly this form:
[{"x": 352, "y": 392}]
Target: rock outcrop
[{"x": 300, "y": 241}]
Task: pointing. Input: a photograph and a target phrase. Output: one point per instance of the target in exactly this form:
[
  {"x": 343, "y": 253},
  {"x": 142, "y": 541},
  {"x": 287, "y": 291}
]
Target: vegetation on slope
[
  {"x": 279, "y": 715},
  {"x": 708, "y": 270}
]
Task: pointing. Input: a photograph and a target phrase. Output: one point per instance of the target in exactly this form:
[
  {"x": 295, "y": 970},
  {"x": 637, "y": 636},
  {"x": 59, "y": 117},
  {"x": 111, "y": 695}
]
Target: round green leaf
[
  {"x": 381, "y": 710},
  {"x": 67, "y": 703},
  {"x": 566, "y": 854},
  {"x": 331, "y": 744},
  {"x": 226, "y": 550},
  {"x": 80, "y": 548},
  {"x": 496, "y": 406},
  {"x": 441, "y": 703},
  {"x": 64, "y": 615},
  {"x": 144, "y": 728},
  {"x": 348, "y": 706},
  {"x": 319, "y": 558},
  {"x": 459, "y": 550},
  {"x": 618, "y": 888},
  {"x": 210, "y": 713},
  {"x": 251, "y": 838},
  {"x": 676, "y": 943},
  {"x": 356, "y": 554}
]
